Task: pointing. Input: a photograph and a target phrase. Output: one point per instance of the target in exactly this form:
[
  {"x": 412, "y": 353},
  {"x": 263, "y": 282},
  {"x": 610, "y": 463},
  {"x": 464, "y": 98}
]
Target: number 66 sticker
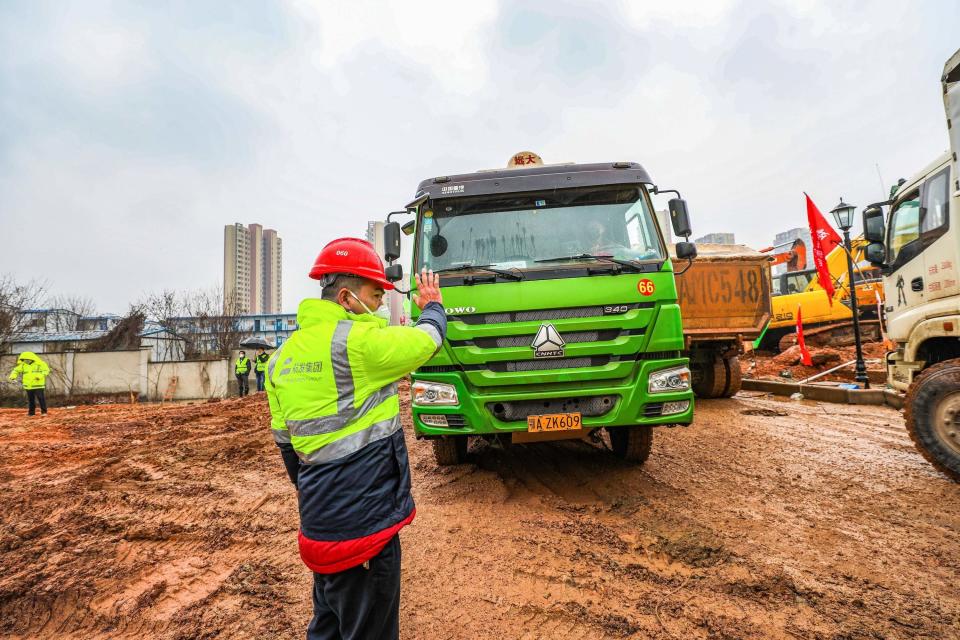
[{"x": 646, "y": 287}]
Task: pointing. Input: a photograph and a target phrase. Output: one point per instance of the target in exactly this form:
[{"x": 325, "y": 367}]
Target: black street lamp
[{"x": 843, "y": 214}]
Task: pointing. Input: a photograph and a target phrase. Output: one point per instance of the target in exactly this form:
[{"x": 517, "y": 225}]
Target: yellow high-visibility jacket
[{"x": 33, "y": 369}]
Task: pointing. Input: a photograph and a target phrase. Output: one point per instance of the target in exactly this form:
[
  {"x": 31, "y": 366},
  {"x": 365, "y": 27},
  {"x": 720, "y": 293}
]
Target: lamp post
[{"x": 843, "y": 214}]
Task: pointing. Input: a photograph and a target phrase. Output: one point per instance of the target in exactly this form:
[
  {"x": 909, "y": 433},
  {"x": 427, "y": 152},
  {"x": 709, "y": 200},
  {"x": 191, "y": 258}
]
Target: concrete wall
[
  {"x": 195, "y": 379},
  {"x": 109, "y": 372},
  {"x": 84, "y": 373}
]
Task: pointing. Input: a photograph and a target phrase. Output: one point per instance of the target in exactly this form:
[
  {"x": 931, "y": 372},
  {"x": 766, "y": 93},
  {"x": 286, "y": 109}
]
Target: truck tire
[
  {"x": 631, "y": 443},
  {"x": 932, "y": 414},
  {"x": 450, "y": 450},
  {"x": 734, "y": 376},
  {"x": 710, "y": 379}
]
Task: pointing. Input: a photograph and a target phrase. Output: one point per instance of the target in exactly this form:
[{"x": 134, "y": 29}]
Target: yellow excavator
[{"x": 825, "y": 323}]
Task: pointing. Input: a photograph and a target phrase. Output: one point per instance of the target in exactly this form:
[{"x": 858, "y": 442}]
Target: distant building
[
  {"x": 274, "y": 328},
  {"x": 784, "y": 239},
  {"x": 252, "y": 269},
  {"x": 59, "y": 330},
  {"x": 717, "y": 238}
]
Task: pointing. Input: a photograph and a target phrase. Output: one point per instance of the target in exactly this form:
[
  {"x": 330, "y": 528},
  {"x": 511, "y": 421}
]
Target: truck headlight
[
  {"x": 668, "y": 380},
  {"x": 434, "y": 393}
]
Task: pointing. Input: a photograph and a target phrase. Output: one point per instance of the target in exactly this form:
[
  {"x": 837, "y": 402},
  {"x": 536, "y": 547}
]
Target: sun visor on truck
[
  {"x": 951, "y": 104},
  {"x": 539, "y": 178}
]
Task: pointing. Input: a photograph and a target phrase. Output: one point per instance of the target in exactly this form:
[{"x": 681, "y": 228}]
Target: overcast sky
[{"x": 131, "y": 132}]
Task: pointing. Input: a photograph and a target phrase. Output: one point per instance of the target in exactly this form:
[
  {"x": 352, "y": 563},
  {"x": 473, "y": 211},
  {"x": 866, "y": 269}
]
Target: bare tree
[
  {"x": 124, "y": 336},
  {"x": 216, "y": 319},
  {"x": 75, "y": 306},
  {"x": 199, "y": 317},
  {"x": 165, "y": 307},
  {"x": 15, "y": 298}
]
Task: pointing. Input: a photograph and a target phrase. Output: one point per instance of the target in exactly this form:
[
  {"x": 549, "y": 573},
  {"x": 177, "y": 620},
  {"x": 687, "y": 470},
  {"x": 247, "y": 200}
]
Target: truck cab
[
  {"x": 563, "y": 319},
  {"x": 918, "y": 249}
]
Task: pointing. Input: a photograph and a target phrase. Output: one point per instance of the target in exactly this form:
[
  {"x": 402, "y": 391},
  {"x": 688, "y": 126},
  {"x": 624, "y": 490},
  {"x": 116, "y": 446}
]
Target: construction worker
[
  {"x": 260, "y": 368},
  {"x": 332, "y": 389},
  {"x": 241, "y": 368},
  {"x": 34, "y": 372}
]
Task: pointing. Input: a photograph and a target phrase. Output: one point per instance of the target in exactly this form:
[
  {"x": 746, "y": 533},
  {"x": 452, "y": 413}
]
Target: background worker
[
  {"x": 332, "y": 389},
  {"x": 260, "y": 368},
  {"x": 241, "y": 368},
  {"x": 34, "y": 380}
]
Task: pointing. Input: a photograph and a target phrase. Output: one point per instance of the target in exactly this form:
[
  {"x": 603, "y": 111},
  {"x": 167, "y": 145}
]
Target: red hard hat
[{"x": 353, "y": 256}]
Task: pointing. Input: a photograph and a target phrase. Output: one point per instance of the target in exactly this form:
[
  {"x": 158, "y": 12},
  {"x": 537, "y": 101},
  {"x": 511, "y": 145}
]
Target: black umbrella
[{"x": 256, "y": 343}]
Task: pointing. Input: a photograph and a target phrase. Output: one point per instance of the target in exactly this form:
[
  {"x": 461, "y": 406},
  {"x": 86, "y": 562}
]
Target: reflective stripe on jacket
[
  {"x": 33, "y": 369},
  {"x": 242, "y": 366},
  {"x": 333, "y": 395},
  {"x": 332, "y": 386}
]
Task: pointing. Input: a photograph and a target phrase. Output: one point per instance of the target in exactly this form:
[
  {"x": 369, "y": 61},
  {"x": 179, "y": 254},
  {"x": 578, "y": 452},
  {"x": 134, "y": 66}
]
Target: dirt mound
[{"x": 786, "y": 365}]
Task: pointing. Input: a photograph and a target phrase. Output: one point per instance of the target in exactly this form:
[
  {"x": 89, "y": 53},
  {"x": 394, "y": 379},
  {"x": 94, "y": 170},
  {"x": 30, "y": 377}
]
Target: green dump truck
[{"x": 563, "y": 312}]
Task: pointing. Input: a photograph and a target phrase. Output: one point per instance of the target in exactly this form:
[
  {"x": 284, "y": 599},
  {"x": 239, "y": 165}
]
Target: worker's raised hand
[{"x": 428, "y": 289}]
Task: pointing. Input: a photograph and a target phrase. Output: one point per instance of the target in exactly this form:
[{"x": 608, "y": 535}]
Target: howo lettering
[{"x": 563, "y": 313}]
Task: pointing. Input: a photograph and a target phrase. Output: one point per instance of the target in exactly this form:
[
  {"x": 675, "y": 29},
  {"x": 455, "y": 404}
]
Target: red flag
[
  {"x": 824, "y": 239},
  {"x": 805, "y": 358}
]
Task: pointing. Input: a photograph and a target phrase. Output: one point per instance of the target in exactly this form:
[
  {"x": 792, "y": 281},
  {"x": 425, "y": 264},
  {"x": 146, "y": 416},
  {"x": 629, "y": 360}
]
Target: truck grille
[
  {"x": 547, "y": 314},
  {"x": 569, "y": 337},
  {"x": 588, "y": 407},
  {"x": 546, "y": 364}
]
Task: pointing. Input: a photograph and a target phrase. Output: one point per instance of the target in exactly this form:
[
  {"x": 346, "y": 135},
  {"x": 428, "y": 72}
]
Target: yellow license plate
[{"x": 554, "y": 422}]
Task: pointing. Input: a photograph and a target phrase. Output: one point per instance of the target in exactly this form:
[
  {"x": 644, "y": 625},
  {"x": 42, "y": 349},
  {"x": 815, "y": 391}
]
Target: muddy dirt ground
[
  {"x": 785, "y": 367},
  {"x": 765, "y": 519}
]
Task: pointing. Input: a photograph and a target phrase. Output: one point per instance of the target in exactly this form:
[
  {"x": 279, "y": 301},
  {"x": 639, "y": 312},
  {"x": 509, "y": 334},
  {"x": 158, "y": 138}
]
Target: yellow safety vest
[{"x": 332, "y": 386}]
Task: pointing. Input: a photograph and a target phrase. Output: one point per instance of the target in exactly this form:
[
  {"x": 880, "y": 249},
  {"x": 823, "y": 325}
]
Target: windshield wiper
[
  {"x": 589, "y": 256},
  {"x": 510, "y": 275}
]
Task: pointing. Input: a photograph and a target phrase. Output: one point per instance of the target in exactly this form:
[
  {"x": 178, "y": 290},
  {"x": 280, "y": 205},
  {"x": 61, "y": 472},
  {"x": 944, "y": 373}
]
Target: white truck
[{"x": 918, "y": 249}]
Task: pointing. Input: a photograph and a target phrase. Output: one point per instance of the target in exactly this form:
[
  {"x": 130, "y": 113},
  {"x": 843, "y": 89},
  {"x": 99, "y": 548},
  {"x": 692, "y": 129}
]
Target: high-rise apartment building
[
  {"x": 252, "y": 269},
  {"x": 272, "y": 272}
]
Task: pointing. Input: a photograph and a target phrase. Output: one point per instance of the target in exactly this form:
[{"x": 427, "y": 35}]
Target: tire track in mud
[
  {"x": 178, "y": 522},
  {"x": 804, "y": 563},
  {"x": 143, "y": 534}
]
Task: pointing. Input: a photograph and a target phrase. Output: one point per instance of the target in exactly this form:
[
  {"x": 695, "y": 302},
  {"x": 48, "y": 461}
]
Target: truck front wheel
[
  {"x": 450, "y": 450},
  {"x": 631, "y": 443},
  {"x": 932, "y": 413}
]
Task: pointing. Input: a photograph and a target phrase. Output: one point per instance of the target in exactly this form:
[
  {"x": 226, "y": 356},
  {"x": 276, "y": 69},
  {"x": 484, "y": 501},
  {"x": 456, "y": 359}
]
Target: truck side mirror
[
  {"x": 873, "y": 230},
  {"x": 394, "y": 272},
  {"x": 876, "y": 254},
  {"x": 409, "y": 227},
  {"x": 391, "y": 241},
  {"x": 686, "y": 251},
  {"x": 679, "y": 217}
]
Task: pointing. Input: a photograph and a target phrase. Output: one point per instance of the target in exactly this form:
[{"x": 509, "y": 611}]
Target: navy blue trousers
[
  {"x": 360, "y": 603},
  {"x": 33, "y": 397},
  {"x": 243, "y": 383},
  {"x": 261, "y": 380}
]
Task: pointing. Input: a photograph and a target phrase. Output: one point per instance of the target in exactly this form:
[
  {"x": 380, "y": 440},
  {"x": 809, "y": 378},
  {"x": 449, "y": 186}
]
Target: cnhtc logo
[{"x": 547, "y": 343}]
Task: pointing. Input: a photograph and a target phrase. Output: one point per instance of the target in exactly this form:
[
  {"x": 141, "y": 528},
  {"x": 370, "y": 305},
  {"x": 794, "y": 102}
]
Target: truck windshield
[{"x": 513, "y": 231}]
